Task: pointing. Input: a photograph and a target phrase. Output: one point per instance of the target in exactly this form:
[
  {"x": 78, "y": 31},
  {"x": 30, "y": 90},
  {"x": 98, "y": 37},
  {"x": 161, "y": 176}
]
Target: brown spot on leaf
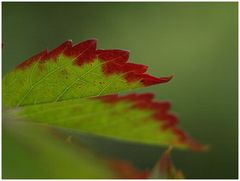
[{"x": 64, "y": 72}]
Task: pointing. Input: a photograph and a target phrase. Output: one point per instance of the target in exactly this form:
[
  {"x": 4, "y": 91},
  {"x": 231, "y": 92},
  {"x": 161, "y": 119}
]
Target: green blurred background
[{"x": 196, "y": 42}]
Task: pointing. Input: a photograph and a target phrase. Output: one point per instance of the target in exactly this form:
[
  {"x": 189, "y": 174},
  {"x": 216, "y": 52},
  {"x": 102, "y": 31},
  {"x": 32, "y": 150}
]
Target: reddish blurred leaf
[{"x": 165, "y": 169}]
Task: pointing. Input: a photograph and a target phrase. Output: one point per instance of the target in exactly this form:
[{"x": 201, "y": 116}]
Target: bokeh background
[{"x": 195, "y": 42}]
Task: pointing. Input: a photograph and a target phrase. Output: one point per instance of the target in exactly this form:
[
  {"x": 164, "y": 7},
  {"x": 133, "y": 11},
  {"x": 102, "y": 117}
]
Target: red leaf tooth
[
  {"x": 138, "y": 97},
  {"x": 113, "y": 67},
  {"x": 148, "y": 80},
  {"x": 145, "y": 96},
  {"x": 171, "y": 120},
  {"x": 57, "y": 51},
  {"x": 85, "y": 52},
  {"x": 32, "y": 59},
  {"x": 132, "y": 76},
  {"x": 114, "y": 61},
  {"x": 45, "y": 55},
  {"x": 118, "y": 56},
  {"x": 137, "y": 68},
  {"x": 86, "y": 57},
  {"x": 81, "y": 48},
  {"x": 160, "y": 113},
  {"x": 182, "y": 136}
]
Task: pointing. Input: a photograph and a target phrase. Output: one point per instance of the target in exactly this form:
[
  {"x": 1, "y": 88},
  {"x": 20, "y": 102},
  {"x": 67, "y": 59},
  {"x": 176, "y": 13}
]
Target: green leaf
[
  {"x": 134, "y": 118},
  {"x": 54, "y": 88},
  {"x": 63, "y": 89},
  {"x": 69, "y": 72},
  {"x": 33, "y": 151}
]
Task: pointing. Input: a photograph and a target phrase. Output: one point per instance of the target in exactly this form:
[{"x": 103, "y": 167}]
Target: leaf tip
[
  {"x": 32, "y": 59},
  {"x": 149, "y": 80}
]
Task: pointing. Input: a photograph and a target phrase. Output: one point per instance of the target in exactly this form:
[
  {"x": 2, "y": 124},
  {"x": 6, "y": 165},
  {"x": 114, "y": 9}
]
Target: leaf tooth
[
  {"x": 86, "y": 57},
  {"x": 160, "y": 113},
  {"x": 111, "y": 67},
  {"x": 169, "y": 119},
  {"x": 185, "y": 139},
  {"x": 57, "y": 51},
  {"x": 146, "y": 96},
  {"x": 132, "y": 67},
  {"x": 148, "y": 80},
  {"x": 81, "y": 48},
  {"x": 118, "y": 56},
  {"x": 32, "y": 59},
  {"x": 116, "y": 62},
  {"x": 137, "y": 98}
]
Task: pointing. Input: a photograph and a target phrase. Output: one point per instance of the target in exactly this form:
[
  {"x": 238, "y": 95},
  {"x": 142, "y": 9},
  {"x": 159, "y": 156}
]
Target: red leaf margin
[
  {"x": 160, "y": 113},
  {"x": 115, "y": 61}
]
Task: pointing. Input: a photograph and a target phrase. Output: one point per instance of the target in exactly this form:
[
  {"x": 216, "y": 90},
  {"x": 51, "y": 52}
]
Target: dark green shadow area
[{"x": 196, "y": 42}]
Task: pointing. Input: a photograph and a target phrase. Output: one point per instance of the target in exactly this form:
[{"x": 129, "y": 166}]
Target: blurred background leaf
[
  {"x": 165, "y": 169},
  {"x": 33, "y": 151},
  {"x": 197, "y": 42}
]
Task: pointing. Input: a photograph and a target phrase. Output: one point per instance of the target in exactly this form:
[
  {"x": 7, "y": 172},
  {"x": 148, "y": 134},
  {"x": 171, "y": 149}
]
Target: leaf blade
[
  {"x": 66, "y": 73},
  {"x": 133, "y": 117}
]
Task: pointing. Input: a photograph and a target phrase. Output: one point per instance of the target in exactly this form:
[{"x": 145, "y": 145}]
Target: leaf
[
  {"x": 165, "y": 169},
  {"x": 63, "y": 89},
  {"x": 69, "y": 72},
  {"x": 54, "y": 88},
  {"x": 32, "y": 151},
  {"x": 134, "y": 118}
]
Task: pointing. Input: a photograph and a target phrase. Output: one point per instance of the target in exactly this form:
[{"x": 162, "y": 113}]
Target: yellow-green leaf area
[
  {"x": 61, "y": 79},
  {"x": 92, "y": 116}
]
